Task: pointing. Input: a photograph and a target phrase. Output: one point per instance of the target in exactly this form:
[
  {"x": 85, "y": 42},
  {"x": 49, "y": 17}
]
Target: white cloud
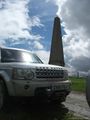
[
  {"x": 76, "y": 21},
  {"x": 35, "y": 21},
  {"x": 15, "y": 22},
  {"x": 38, "y": 45},
  {"x": 13, "y": 19}
]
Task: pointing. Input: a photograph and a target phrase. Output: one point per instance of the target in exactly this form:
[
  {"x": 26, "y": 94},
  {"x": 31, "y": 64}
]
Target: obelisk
[{"x": 56, "y": 53}]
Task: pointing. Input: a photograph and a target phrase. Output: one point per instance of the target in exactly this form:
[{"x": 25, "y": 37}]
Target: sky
[{"x": 28, "y": 24}]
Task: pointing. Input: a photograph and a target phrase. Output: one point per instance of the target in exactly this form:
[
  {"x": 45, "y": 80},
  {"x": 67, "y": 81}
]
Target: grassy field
[{"x": 78, "y": 84}]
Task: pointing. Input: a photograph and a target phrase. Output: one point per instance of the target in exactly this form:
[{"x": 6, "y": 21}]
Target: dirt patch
[{"x": 77, "y": 103}]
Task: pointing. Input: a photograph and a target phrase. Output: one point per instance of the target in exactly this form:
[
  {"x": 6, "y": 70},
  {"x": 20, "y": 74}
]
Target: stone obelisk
[{"x": 56, "y": 53}]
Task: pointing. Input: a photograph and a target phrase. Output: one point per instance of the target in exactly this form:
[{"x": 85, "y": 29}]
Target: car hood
[{"x": 33, "y": 65}]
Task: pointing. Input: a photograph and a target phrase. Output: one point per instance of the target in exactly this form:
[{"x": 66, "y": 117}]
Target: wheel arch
[{"x": 3, "y": 79}]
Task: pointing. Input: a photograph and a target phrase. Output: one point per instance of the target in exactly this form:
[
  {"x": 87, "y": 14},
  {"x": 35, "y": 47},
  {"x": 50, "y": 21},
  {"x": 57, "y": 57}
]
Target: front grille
[{"x": 49, "y": 73}]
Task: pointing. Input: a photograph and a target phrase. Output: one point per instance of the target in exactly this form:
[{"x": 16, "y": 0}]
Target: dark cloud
[
  {"x": 76, "y": 18},
  {"x": 81, "y": 63}
]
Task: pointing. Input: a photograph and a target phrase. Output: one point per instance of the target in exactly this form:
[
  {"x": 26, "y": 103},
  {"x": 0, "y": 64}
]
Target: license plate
[{"x": 61, "y": 87}]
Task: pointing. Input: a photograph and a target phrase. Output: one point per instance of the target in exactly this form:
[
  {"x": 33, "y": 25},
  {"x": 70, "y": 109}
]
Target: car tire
[
  {"x": 88, "y": 88},
  {"x": 2, "y": 94}
]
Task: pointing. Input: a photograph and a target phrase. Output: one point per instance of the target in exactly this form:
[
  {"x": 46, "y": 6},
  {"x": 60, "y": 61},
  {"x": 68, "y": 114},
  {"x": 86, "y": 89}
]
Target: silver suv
[{"x": 22, "y": 73}]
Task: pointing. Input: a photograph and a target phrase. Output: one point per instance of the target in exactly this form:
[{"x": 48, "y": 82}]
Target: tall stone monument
[{"x": 56, "y": 53}]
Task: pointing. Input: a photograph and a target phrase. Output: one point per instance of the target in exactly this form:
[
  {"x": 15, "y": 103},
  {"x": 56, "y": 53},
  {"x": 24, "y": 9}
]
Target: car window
[{"x": 9, "y": 55}]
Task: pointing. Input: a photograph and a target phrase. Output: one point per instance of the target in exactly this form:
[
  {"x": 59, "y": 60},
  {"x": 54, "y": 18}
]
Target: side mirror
[{"x": 88, "y": 88}]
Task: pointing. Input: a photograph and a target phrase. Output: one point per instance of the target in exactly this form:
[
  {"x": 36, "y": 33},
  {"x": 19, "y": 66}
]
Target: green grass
[
  {"x": 78, "y": 84},
  {"x": 70, "y": 116}
]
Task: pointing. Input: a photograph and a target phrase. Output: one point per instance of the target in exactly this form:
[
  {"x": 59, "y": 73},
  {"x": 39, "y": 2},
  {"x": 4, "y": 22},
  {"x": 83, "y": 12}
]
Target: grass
[
  {"x": 70, "y": 116},
  {"x": 78, "y": 84}
]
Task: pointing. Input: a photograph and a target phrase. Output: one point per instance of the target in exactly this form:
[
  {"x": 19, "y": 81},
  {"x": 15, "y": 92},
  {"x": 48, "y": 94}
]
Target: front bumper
[
  {"x": 36, "y": 88},
  {"x": 54, "y": 92}
]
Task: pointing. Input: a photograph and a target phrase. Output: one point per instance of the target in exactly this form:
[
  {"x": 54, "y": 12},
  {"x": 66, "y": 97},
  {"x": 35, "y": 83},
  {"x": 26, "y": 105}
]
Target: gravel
[{"x": 76, "y": 102}]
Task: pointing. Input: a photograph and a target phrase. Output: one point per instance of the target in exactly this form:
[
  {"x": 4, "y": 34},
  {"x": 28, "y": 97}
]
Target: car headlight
[
  {"x": 65, "y": 74},
  {"x": 21, "y": 74}
]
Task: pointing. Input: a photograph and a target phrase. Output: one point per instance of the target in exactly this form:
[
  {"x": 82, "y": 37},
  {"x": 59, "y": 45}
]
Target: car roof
[{"x": 19, "y": 49}]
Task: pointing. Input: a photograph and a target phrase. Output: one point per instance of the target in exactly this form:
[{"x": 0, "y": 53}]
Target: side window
[{"x": 10, "y": 55}]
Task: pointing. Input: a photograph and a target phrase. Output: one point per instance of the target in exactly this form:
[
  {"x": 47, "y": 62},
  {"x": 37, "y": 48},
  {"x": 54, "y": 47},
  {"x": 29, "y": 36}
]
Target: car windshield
[{"x": 9, "y": 55}]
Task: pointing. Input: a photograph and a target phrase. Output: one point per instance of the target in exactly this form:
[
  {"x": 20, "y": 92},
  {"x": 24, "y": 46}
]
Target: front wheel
[{"x": 2, "y": 94}]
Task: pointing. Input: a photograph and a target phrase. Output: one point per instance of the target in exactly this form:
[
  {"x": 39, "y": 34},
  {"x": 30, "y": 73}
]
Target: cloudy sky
[{"x": 28, "y": 24}]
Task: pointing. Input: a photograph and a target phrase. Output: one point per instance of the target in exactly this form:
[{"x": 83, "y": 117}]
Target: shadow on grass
[{"x": 24, "y": 110}]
